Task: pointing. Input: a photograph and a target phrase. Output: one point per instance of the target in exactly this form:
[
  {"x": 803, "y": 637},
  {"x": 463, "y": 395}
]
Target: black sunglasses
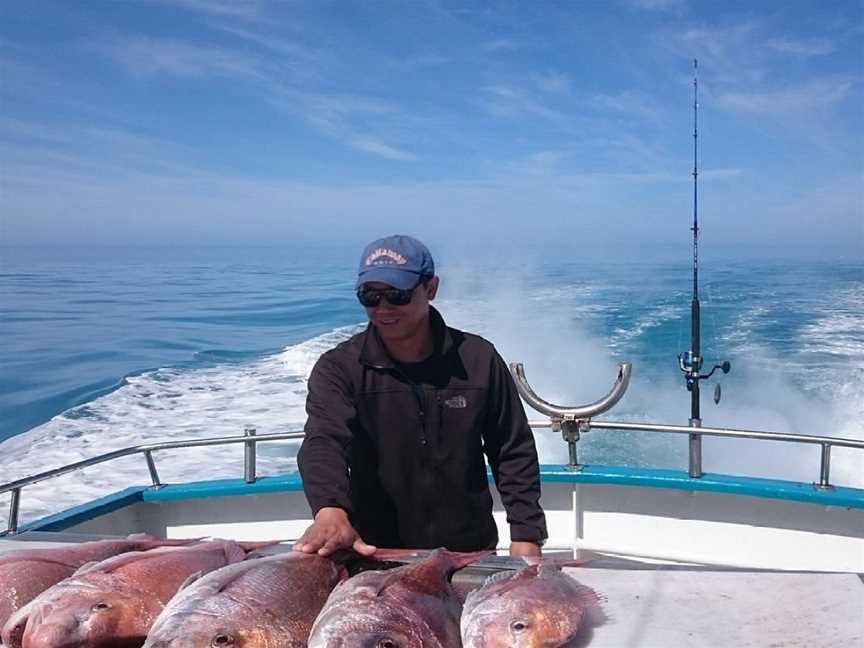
[{"x": 371, "y": 297}]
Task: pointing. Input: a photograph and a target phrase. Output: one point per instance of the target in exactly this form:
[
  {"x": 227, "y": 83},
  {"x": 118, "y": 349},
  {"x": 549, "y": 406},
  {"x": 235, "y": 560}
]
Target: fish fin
[
  {"x": 83, "y": 569},
  {"x": 497, "y": 577},
  {"x": 190, "y": 579},
  {"x": 547, "y": 566},
  {"x": 249, "y": 547}
]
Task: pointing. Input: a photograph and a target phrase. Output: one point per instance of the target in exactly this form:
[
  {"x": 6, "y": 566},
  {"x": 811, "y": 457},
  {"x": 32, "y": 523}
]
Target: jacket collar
[{"x": 374, "y": 353}]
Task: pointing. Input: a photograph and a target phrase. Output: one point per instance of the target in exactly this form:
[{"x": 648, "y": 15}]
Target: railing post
[
  {"x": 825, "y": 468},
  {"x": 249, "y": 455},
  {"x": 151, "y": 466},
  {"x": 14, "y": 504}
]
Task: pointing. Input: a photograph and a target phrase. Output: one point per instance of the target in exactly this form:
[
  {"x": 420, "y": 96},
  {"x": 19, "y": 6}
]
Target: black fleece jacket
[{"x": 405, "y": 459}]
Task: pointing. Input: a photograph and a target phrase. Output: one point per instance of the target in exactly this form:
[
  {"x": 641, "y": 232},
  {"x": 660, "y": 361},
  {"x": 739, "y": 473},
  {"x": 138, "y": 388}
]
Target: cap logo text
[{"x": 385, "y": 256}]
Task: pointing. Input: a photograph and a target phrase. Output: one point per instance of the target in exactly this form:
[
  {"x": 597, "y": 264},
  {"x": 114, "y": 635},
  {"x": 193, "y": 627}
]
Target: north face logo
[{"x": 457, "y": 402}]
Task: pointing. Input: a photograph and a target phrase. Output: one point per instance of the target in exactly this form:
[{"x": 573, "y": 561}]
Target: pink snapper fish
[
  {"x": 413, "y": 606},
  {"x": 26, "y": 573},
  {"x": 538, "y": 606},
  {"x": 260, "y": 603},
  {"x": 114, "y": 602}
]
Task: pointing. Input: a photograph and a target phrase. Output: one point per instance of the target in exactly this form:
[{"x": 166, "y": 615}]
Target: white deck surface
[
  {"x": 665, "y": 608},
  {"x": 680, "y": 607}
]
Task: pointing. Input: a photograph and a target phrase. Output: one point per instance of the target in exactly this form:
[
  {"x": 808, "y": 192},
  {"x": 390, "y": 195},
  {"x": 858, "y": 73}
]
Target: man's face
[{"x": 398, "y": 323}]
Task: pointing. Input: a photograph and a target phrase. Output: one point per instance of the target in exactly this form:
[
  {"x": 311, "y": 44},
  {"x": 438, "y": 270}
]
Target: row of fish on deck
[{"x": 217, "y": 594}]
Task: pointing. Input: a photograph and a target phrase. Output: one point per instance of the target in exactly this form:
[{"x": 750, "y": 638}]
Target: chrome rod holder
[
  {"x": 249, "y": 456},
  {"x": 694, "y": 468},
  {"x": 622, "y": 381},
  {"x": 825, "y": 468},
  {"x": 571, "y": 421},
  {"x": 571, "y": 431},
  {"x": 14, "y": 505},
  {"x": 151, "y": 466}
]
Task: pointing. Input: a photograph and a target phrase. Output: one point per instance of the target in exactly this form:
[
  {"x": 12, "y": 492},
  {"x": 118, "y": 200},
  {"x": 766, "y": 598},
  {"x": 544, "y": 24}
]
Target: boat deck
[{"x": 677, "y": 605}]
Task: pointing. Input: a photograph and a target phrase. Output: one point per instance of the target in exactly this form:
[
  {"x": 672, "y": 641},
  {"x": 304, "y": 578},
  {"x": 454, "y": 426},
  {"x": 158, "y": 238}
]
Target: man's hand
[
  {"x": 330, "y": 531},
  {"x": 518, "y": 549}
]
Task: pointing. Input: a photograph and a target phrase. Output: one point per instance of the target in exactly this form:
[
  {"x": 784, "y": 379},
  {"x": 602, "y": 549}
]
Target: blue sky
[{"x": 499, "y": 125}]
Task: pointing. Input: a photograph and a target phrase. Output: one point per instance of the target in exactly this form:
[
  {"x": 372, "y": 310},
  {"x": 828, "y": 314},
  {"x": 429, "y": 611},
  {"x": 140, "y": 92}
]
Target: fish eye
[
  {"x": 387, "y": 642},
  {"x": 101, "y": 605},
  {"x": 519, "y": 626},
  {"x": 222, "y": 641}
]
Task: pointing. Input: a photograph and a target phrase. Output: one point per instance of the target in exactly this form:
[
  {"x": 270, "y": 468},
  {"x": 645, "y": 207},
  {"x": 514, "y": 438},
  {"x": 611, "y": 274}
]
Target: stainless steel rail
[
  {"x": 825, "y": 442},
  {"x": 250, "y": 446},
  {"x": 146, "y": 449}
]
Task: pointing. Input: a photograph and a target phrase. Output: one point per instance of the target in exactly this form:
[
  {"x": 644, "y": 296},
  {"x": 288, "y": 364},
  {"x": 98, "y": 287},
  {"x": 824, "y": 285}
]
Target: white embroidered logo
[
  {"x": 384, "y": 256},
  {"x": 457, "y": 402}
]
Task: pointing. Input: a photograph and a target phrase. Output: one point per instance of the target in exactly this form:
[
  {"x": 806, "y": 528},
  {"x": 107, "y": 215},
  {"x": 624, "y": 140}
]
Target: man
[{"x": 400, "y": 417}]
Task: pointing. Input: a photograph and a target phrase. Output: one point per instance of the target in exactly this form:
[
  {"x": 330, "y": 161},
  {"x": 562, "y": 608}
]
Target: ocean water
[{"x": 104, "y": 348}]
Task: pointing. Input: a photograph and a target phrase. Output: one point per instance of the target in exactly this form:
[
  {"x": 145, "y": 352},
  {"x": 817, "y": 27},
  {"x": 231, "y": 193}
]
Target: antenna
[{"x": 690, "y": 362}]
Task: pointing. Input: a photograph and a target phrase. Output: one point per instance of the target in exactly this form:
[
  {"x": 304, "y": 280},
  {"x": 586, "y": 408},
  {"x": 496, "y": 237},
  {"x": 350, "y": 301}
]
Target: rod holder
[
  {"x": 249, "y": 456},
  {"x": 151, "y": 466},
  {"x": 14, "y": 505},
  {"x": 694, "y": 468},
  {"x": 622, "y": 381},
  {"x": 571, "y": 431},
  {"x": 825, "y": 468}
]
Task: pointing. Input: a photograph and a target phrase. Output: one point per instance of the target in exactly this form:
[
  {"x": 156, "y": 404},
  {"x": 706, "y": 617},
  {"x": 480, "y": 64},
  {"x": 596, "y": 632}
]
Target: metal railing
[
  {"x": 826, "y": 442},
  {"x": 250, "y": 453}
]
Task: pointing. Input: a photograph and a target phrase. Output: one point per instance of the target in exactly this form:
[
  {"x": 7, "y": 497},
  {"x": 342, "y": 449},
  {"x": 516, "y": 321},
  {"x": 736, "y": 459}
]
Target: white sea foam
[
  {"x": 656, "y": 316},
  {"x": 167, "y": 405}
]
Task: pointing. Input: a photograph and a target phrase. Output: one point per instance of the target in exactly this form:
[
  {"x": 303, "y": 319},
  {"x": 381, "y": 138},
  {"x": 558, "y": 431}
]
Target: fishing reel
[{"x": 691, "y": 365}]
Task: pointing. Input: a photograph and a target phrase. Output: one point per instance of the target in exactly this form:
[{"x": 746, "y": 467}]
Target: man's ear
[{"x": 432, "y": 288}]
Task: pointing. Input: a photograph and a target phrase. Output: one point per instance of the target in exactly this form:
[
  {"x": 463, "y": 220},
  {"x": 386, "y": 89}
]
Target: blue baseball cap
[{"x": 397, "y": 261}]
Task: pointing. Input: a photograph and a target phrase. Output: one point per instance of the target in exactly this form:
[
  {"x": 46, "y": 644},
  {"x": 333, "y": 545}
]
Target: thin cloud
[
  {"x": 225, "y": 8},
  {"x": 509, "y": 103},
  {"x": 675, "y": 6},
  {"x": 630, "y": 103},
  {"x": 553, "y": 83},
  {"x": 805, "y": 48},
  {"x": 500, "y": 45},
  {"x": 152, "y": 56},
  {"x": 795, "y": 99},
  {"x": 345, "y": 118},
  {"x": 370, "y": 145}
]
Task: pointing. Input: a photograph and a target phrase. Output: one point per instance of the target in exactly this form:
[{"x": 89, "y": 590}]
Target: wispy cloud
[
  {"x": 152, "y": 56},
  {"x": 553, "y": 83},
  {"x": 345, "y": 118},
  {"x": 500, "y": 45},
  {"x": 226, "y": 8},
  {"x": 797, "y": 99},
  {"x": 507, "y": 102},
  {"x": 630, "y": 103},
  {"x": 808, "y": 47},
  {"x": 659, "y": 5}
]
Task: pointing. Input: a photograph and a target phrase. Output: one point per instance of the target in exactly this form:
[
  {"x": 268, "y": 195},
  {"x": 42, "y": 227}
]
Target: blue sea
[{"x": 104, "y": 348}]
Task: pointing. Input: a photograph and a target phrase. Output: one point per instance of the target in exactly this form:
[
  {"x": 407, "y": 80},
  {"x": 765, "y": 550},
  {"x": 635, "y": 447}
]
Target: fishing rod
[{"x": 690, "y": 362}]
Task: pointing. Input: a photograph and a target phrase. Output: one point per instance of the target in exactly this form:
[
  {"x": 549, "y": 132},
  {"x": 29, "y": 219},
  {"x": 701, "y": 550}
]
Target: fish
[
  {"x": 413, "y": 606},
  {"x": 260, "y": 603},
  {"x": 533, "y": 607},
  {"x": 26, "y": 573},
  {"x": 114, "y": 602}
]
